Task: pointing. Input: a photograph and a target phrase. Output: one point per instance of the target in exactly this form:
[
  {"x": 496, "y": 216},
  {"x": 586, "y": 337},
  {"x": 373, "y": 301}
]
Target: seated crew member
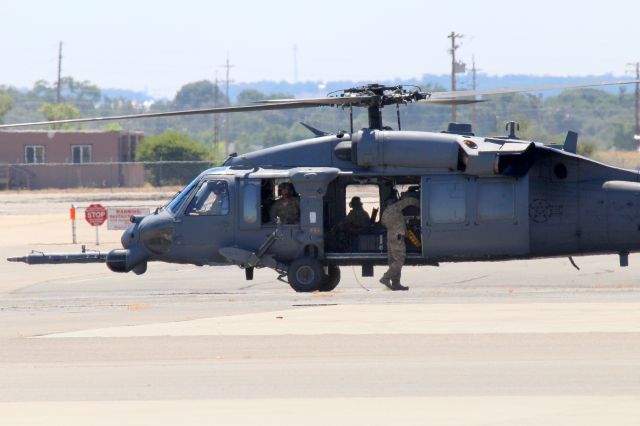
[
  {"x": 287, "y": 206},
  {"x": 357, "y": 221},
  {"x": 211, "y": 199},
  {"x": 220, "y": 204}
]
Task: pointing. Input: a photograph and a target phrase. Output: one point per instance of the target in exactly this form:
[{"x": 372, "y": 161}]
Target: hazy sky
[{"x": 160, "y": 45}]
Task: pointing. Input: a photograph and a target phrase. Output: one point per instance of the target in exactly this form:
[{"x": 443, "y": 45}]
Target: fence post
[{"x": 72, "y": 216}]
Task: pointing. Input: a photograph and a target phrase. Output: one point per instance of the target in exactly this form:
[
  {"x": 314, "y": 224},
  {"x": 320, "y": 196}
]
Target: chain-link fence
[{"x": 99, "y": 174}]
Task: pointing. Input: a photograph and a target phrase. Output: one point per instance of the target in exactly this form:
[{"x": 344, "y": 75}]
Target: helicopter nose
[
  {"x": 155, "y": 232},
  {"x": 131, "y": 236}
]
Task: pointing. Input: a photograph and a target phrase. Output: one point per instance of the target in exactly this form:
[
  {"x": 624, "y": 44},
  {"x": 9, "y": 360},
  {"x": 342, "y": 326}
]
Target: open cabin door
[
  {"x": 258, "y": 191},
  {"x": 469, "y": 217}
]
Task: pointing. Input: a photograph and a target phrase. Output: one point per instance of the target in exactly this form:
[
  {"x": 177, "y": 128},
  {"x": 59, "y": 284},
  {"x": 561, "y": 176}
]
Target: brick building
[{"x": 69, "y": 159}]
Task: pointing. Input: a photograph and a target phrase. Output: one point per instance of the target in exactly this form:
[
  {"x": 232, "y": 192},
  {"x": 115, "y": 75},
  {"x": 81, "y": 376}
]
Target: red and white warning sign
[
  {"x": 95, "y": 214},
  {"x": 119, "y": 217}
]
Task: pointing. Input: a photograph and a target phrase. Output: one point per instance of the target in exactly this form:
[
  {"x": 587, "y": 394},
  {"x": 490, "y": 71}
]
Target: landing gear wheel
[
  {"x": 305, "y": 275},
  {"x": 332, "y": 279}
]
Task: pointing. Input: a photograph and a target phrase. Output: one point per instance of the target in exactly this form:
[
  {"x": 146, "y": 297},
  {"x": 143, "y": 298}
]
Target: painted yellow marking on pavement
[{"x": 139, "y": 307}]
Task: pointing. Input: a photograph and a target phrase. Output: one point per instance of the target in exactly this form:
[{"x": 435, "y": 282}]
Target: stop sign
[{"x": 95, "y": 214}]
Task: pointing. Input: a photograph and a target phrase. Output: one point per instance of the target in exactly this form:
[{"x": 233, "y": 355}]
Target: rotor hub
[{"x": 374, "y": 97}]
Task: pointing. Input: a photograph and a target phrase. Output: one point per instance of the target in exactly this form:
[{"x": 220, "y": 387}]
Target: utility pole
[
  {"x": 58, "y": 84},
  {"x": 215, "y": 116},
  {"x": 295, "y": 63},
  {"x": 474, "y": 115},
  {"x": 454, "y": 67},
  {"x": 636, "y": 65},
  {"x": 229, "y": 148}
]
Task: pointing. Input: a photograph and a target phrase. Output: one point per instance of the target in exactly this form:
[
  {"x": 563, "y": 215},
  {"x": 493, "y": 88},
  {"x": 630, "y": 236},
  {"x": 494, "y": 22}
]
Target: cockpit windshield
[{"x": 174, "y": 205}]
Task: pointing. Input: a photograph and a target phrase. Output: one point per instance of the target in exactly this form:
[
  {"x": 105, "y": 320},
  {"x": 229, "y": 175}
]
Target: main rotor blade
[
  {"x": 452, "y": 101},
  {"x": 468, "y": 93},
  {"x": 244, "y": 108},
  {"x": 338, "y": 100}
]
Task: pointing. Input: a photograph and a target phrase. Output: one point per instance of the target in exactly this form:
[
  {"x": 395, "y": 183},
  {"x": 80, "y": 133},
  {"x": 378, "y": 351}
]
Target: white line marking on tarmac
[
  {"x": 399, "y": 319},
  {"x": 452, "y": 411}
]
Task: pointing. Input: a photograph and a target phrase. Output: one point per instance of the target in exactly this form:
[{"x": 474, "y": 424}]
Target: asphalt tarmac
[{"x": 523, "y": 342}]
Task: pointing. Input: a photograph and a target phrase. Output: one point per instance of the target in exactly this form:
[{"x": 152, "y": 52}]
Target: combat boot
[
  {"x": 386, "y": 282},
  {"x": 395, "y": 286}
]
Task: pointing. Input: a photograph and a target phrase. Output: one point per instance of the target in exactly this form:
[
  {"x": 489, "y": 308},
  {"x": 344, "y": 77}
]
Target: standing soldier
[
  {"x": 287, "y": 207},
  {"x": 393, "y": 220}
]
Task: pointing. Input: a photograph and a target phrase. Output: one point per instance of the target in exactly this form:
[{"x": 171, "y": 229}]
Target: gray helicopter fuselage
[{"x": 481, "y": 199}]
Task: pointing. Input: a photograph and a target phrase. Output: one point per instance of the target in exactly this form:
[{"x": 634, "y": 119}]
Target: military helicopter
[{"x": 481, "y": 198}]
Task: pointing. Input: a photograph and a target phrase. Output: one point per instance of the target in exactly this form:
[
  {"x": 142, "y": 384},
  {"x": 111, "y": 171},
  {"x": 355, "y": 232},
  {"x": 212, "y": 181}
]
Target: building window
[
  {"x": 81, "y": 154},
  {"x": 34, "y": 154}
]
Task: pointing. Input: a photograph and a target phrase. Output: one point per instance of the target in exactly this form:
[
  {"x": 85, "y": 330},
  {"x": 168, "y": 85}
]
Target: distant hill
[
  {"x": 484, "y": 81},
  {"x": 439, "y": 81},
  {"x": 131, "y": 95}
]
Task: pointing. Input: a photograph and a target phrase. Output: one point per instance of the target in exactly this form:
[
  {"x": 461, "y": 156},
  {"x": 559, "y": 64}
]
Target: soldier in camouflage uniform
[
  {"x": 287, "y": 207},
  {"x": 393, "y": 220}
]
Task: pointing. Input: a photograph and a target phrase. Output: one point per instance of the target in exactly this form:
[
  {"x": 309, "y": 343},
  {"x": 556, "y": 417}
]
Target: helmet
[
  {"x": 285, "y": 185},
  {"x": 355, "y": 202},
  {"x": 218, "y": 187}
]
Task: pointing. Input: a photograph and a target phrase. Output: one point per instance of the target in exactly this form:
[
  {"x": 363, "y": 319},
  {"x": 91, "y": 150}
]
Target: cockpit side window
[
  {"x": 176, "y": 202},
  {"x": 211, "y": 199}
]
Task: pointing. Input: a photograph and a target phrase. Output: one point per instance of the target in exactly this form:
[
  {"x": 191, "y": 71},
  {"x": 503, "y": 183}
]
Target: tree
[
  {"x": 79, "y": 90},
  {"x": 80, "y": 93},
  {"x": 198, "y": 95},
  {"x": 252, "y": 95},
  {"x": 249, "y": 95},
  {"x": 172, "y": 145},
  {"x": 6, "y": 103},
  {"x": 623, "y": 137},
  {"x": 275, "y": 135},
  {"x": 61, "y": 111}
]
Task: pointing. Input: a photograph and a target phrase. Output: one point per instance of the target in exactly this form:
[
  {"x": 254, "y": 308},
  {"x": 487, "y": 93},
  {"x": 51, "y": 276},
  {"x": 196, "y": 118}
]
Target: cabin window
[
  {"x": 211, "y": 199},
  {"x": 250, "y": 202},
  {"x": 81, "y": 154},
  {"x": 272, "y": 209},
  {"x": 34, "y": 154},
  {"x": 177, "y": 201},
  {"x": 447, "y": 202},
  {"x": 496, "y": 201},
  {"x": 369, "y": 196}
]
